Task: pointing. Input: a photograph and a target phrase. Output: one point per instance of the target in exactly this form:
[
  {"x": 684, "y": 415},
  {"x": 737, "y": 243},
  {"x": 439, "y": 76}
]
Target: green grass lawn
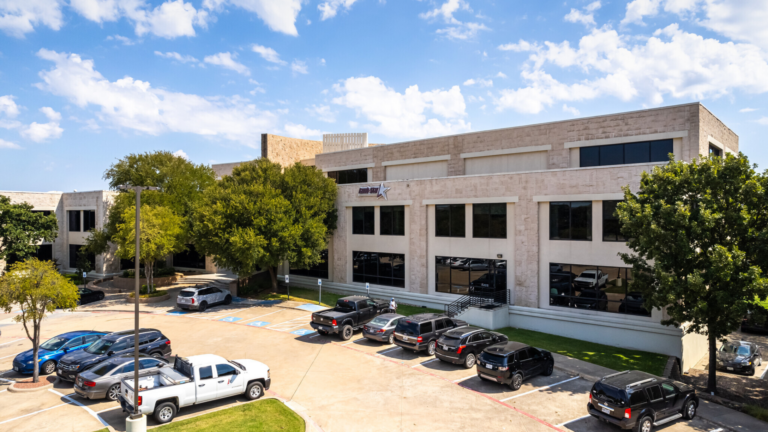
[
  {"x": 611, "y": 357},
  {"x": 265, "y": 416},
  {"x": 329, "y": 299}
]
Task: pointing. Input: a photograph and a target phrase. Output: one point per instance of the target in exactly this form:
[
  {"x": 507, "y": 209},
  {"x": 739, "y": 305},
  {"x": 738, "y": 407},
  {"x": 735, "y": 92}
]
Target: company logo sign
[{"x": 377, "y": 191}]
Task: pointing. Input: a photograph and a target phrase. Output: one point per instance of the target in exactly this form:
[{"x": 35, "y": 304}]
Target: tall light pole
[{"x": 137, "y": 189}]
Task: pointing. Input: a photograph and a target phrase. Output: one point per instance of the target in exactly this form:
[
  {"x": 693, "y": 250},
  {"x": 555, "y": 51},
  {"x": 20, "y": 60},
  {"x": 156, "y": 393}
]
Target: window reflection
[
  {"x": 458, "y": 275},
  {"x": 594, "y": 288},
  {"x": 379, "y": 268},
  {"x": 319, "y": 270}
]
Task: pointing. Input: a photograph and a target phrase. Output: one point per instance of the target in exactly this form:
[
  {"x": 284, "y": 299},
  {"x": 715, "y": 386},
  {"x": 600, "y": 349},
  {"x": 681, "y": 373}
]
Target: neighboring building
[{"x": 527, "y": 209}]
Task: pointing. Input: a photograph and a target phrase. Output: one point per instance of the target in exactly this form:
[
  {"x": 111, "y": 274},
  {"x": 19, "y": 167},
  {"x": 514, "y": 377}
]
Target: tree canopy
[
  {"x": 261, "y": 216},
  {"x": 697, "y": 233},
  {"x": 38, "y": 289},
  {"x": 21, "y": 230}
]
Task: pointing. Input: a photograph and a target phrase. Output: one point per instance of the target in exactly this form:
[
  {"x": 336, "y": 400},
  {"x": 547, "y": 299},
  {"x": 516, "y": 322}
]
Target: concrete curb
[
  {"x": 158, "y": 299},
  {"x": 12, "y": 389}
]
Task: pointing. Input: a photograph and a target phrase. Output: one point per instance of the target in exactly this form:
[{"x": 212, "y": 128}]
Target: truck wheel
[
  {"x": 644, "y": 425},
  {"x": 346, "y": 332},
  {"x": 48, "y": 367},
  {"x": 689, "y": 412},
  {"x": 549, "y": 369},
  {"x": 165, "y": 412},
  {"x": 431, "y": 348},
  {"x": 391, "y": 339},
  {"x": 254, "y": 391},
  {"x": 469, "y": 362}
]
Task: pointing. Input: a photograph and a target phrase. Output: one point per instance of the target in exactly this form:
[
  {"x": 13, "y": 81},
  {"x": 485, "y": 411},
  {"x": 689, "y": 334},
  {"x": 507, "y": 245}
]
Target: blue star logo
[{"x": 382, "y": 192}]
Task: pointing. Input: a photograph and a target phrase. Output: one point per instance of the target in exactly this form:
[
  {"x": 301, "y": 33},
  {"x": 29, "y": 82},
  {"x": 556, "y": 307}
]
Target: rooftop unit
[{"x": 344, "y": 141}]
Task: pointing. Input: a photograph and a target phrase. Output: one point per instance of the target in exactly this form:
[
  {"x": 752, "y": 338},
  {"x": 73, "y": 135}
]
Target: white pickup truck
[{"x": 194, "y": 380}]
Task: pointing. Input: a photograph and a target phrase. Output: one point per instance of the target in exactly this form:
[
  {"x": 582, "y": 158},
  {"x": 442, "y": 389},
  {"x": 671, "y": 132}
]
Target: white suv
[{"x": 202, "y": 298}]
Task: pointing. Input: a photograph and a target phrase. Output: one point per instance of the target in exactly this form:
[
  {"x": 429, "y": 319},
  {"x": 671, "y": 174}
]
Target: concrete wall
[{"x": 287, "y": 151}]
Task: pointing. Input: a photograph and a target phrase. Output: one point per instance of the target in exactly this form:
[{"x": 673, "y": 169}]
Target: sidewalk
[{"x": 721, "y": 416}]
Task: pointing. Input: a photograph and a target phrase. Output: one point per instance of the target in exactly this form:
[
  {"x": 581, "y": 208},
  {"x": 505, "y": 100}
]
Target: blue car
[{"x": 53, "y": 349}]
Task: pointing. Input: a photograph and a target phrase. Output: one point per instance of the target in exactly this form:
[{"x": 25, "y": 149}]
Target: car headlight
[
  {"x": 30, "y": 362},
  {"x": 746, "y": 363}
]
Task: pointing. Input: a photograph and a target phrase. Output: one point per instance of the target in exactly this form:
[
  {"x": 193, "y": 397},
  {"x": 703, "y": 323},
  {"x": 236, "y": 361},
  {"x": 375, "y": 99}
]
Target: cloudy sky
[{"x": 84, "y": 82}]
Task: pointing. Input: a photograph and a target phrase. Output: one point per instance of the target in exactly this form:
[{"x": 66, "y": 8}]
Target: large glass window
[
  {"x": 379, "y": 268},
  {"x": 611, "y": 226},
  {"x": 45, "y": 252},
  {"x": 319, "y": 270},
  {"x": 450, "y": 220},
  {"x": 622, "y": 154},
  {"x": 74, "y": 220},
  {"x": 189, "y": 258},
  {"x": 349, "y": 176},
  {"x": 489, "y": 220},
  {"x": 362, "y": 220},
  {"x": 89, "y": 220},
  {"x": 74, "y": 252},
  {"x": 571, "y": 220},
  {"x": 594, "y": 288},
  {"x": 392, "y": 220},
  {"x": 458, "y": 275}
]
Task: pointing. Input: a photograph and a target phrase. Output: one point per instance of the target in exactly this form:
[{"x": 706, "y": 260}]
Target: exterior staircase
[{"x": 477, "y": 297}]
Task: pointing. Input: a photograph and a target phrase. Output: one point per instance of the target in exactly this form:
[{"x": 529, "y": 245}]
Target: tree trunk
[
  {"x": 36, "y": 349},
  {"x": 712, "y": 379},
  {"x": 273, "y": 275}
]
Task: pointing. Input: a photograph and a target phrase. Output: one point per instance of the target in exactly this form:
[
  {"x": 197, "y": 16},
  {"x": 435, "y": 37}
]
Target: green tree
[
  {"x": 261, "y": 216},
  {"x": 37, "y": 288},
  {"x": 161, "y": 230},
  {"x": 694, "y": 231},
  {"x": 21, "y": 230}
]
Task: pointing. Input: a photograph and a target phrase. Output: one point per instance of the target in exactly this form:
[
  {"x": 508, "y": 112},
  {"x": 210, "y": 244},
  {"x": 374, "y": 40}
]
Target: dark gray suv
[{"x": 420, "y": 332}]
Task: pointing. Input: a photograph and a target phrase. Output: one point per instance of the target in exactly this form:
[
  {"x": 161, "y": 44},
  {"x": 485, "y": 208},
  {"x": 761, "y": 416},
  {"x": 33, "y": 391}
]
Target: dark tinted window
[
  {"x": 189, "y": 258},
  {"x": 407, "y": 327},
  {"x": 378, "y": 268},
  {"x": 450, "y": 341},
  {"x": 654, "y": 393},
  {"x": 149, "y": 363},
  {"x": 74, "y": 220},
  {"x": 493, "y": 358},
  {"x": 489, "y": 220},
  {"x": 669, "y": 390},
  {"x": 91, "y": 338},
  {"x": 319, "y": 270},
  {"x": 660, "y": 150},
  {"x": 206, "y": 372},
  {"x": 100, "y": 347},
  {"x": 74, "y": 342},
  {"x": 104, "y": 368},
  {"x": 224, "y": 370},
  {"x": 128, "y": 368},
  {"x": 714, "y": 151},
  {"x": 570, "y": 220},
  {"x": 439, "y": 325},
  {"x": 630, "y": 153},
  {"x": 392, "y": 220},
  {"x": 523, "y": 355},
  {"x": 450, "y": 220},
  {"x": 611, "y": 226},
  {"x": 349, "y": 176},
  {"x": 426, "y": 327},
  {"x": 74, "y": 253},
  {"x": 637, "y": 398},
  {"x": 186, "y": 293},
  {"x": 612, "y": 154},
  {"x": 609, "y": 393},
  {"x": 89, "y": 220},
  {"x": 589, "y": 156},
  {"x": 362, "y": 220},
  {"x": 44, "y": 252},
  {"x": 637, "y": 153}
]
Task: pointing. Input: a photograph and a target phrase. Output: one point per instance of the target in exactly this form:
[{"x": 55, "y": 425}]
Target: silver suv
[{"x": 202, "y": 298}]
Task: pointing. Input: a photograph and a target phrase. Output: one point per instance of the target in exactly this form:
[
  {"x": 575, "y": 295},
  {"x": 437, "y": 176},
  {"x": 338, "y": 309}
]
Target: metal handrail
[{"x": 477, "y": 297}]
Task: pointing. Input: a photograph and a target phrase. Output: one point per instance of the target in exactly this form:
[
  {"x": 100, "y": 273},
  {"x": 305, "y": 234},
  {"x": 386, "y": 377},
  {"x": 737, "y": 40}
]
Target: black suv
[
  {"x": 151, "y": 342},
  {"x": 512, "y": 362},
  {"x": 421, "y": 331},
  {"x": 464, "y": 344},
  {"x": 638, "y": 400}
]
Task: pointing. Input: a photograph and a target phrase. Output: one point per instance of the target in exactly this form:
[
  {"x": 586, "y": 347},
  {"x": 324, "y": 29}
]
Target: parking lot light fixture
[{"x": 137, "y": 189}]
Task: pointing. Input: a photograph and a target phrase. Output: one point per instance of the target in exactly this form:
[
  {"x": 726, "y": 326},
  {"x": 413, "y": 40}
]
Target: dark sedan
[
  {"x": 89, "y": 296},
  {"x": 739, "y": 356},
  {"x": 103, "y": 380},
  {"x": 382, "y": 328}
]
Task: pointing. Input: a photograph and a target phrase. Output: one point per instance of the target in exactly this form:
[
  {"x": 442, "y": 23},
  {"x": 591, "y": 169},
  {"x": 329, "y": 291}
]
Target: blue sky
[{"x": 85, "y": 82}]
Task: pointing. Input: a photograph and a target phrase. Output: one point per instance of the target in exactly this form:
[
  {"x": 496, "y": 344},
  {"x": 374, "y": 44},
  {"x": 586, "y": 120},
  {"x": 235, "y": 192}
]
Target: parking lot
[{"x": 357, "y": 385}]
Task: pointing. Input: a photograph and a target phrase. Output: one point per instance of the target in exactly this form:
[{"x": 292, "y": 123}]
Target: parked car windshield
[
  {"x": 587, "y": 275},
  {"x": 186, "y": 293},
  {"x": 54, "y": 343},
  {"x": 735, "y": 349},
  {"x": 99, "y": 347},
  {"x": 407, "y": 327},
  {"x": 450, "y": 341},
  {"x": 104, "y": 368},
  {"x": 379, "y": 321}
]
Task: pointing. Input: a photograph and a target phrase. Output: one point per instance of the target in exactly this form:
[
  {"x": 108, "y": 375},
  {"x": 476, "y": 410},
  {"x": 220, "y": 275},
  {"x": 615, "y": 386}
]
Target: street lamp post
[{"x": 137, "y": 189}]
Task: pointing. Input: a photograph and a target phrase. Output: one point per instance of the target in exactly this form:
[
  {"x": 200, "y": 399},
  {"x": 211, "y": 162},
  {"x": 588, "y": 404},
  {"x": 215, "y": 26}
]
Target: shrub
[{"x": 75, "y": 278}]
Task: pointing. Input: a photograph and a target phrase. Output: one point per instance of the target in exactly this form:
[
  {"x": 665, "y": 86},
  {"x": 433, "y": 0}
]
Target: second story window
[
  {"x": 392, "y": 220},
  {"x": 714, "y": 151},
  {"x": 570, "y": 220},
  {"x": 362, "y": 220},
  {"x": 89, "y": 220},
  {"x": 623, "y": 154},
  {"x": 74, "y": 220},
  {"x": 349, "y": 176},
  {"x": 611, "y": 225},
  {"x": 489, "y": 220},
  {"x": 449, "y": 220}
]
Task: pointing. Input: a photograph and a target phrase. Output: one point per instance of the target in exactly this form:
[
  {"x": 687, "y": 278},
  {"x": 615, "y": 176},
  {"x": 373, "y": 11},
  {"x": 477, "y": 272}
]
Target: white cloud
[
  {"x": 587, "y": 17},
  {"x": 299, "y": 67},
  {"x": 330, "y": 8},
  {"x": 672, "y": 63},
  {"x": 171, "y": 19},
  {"x": 412, "y": 114},
  {"x": 301, "y": 131},
  {"x": 571, "y": 110},
  {"x": 521, "y": 46},
  {"x": 39, "y": 132},
  {"x": 446, "y": 11},
  {"x": 181, "y": 153},
  {"x": 8, "y": 106},
  {"x": 100, "y": 10},
  {"x": 501, "y": 75},
  {"x": 746, "y": 110},
  {"x": 480, "y": 82},
  {"x": 463, "y": 31},
  {"x": 743, "y": 20},
  {"x": 458, "y": 29},
  {"x": 123, "y": 39},
  {"x": 637, "y": 9},
  {"x": 268, "y": 54},
  {"x": 278, "y": 15},
  {"x": 8, "y": 145},
  {"x": 227, "y": 61},
  {"x": 134, "y": 104},
  {"x": 323, "y": 113},
  {"x": 763, "y": 120},
  {"x": 19, "y": 17},
  {"x": 178, "y": 57}
]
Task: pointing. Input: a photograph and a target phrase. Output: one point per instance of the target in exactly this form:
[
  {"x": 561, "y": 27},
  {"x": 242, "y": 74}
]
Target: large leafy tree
[
  {"x": 21, "y": 230},
  {"x": 697, "y": 233},
  {"x": 38, "y": 289},
  {"x": 261, "y": 216},
  {"x": 160, "y": 232}
]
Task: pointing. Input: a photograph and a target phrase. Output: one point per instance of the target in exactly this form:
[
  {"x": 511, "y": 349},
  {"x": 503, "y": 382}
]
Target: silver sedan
[{"x": 103, "y": 380}]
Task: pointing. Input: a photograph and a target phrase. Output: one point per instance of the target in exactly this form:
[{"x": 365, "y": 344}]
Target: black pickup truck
[{"x": 350, "y": 314}]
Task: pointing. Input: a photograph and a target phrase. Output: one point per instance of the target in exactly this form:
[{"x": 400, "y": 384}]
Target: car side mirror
[{"x": 66, "y": 350}]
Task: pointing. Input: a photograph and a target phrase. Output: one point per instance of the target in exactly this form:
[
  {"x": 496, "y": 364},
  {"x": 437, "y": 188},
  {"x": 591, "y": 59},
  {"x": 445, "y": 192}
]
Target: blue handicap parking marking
[
  {"x": 269, "y": 302},
  {"x": 311, "y": 307},
  {"x": 177, "y": 313},
  {"x": 302, "y": 332},
  {"x": 230, "y": 319},
  {"x": 258, "y": 323},
  {"x": 237, "y": 300}
]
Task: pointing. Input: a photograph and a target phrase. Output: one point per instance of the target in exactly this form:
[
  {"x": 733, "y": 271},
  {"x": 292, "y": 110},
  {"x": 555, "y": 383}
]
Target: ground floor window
[
  {"x": 45, "y": 252},
  {"x": 594, "y": 288},
  {"x": 319, "y": 270},
  {"x": 74, "y": 252},
  {"x": 189, "y": 258},
  {"x": 379, "y": 268},
  {"x": 457, "y": 275}
]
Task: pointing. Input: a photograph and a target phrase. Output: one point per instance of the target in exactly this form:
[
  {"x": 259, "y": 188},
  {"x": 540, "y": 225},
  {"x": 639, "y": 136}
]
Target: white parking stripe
[
  {"x": 389, "y": 350},
  {"x": 108, "y": 409},
  {"x": 36, "y": 412},
  {"x": 220, "y": 316},
  {"x": 717, "y": 430},
  {"x": 350, "y": 342},
  {"x": 90, "y": 411},
  {"x": 249, "y": 319},
  {"x": 539, "y": 389},
  {"x": 571, "y": 421},
  {"x": 8, "y": 343},
  {"x": 9, "y": 356},
  {"x": 423, "y": 363},
  {"x": 764, "y": 372},
  {"x": 5, "y": 380},
  {"x": 464, "y": 379},
  {"x": 315, "y": 335}
]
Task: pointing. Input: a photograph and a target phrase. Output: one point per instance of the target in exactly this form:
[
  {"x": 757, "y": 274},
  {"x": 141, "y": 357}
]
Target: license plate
[
  {"x": 324, "y": 328},
  {"x": 729, "y": 368},
  {"x": 606, "y": 410},
  {"x": 445, "y": 347},
  {"x": 405, "y": 338},
  {"x": 489, "y": 366}
]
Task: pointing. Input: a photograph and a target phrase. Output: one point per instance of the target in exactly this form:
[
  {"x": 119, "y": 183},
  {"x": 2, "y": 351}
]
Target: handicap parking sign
[
  {"x": 302, "y": 332},
  {"x": 230, "y": 319},
  {"x": 258, "y": 323}
]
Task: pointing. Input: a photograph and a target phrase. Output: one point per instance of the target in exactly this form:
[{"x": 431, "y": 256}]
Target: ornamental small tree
[
  {"x": 697, "y": 233},
  {"x": 21, "y": 230},
  {"x": 37, "y": 288}
]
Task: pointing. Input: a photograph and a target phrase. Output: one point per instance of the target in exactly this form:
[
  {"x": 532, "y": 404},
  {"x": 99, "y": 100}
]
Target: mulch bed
[
  {"x": 738, "y": 388},
  {"x": 28, "y": 384}
]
